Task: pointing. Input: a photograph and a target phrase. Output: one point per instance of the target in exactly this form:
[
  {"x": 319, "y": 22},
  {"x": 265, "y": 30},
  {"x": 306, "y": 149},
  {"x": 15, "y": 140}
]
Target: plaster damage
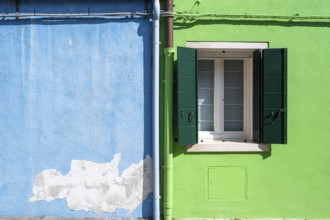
[{"x": 97, "y": 187}]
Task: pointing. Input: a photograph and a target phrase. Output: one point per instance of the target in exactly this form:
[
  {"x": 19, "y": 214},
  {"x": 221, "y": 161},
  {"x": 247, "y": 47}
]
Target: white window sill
[{"x": 228, "y": 146}]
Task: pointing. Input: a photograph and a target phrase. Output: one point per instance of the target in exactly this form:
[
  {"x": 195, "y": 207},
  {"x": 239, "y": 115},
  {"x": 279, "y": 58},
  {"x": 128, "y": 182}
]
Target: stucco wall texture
[
  {"x": 291, "y": 181},
  {"x": 75, "y": 92}
]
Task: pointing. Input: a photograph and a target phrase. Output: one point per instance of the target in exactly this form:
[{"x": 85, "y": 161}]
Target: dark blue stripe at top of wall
[{"x": 74, "y": 6}]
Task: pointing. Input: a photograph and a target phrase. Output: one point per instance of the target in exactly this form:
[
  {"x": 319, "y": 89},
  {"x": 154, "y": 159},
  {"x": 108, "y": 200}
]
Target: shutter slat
[{"x": 186, "y": 112}]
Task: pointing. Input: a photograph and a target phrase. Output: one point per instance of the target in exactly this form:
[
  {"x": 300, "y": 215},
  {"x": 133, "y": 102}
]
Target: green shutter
[
  {"x": 274, "y": 98},
  {"x": 270, "y": 96},
  {"x": 186, "y": 112}
]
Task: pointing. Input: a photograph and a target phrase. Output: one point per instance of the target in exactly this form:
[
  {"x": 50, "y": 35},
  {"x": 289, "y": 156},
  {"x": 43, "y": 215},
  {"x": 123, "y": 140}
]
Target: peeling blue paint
[{"x": 71, "y": 89}]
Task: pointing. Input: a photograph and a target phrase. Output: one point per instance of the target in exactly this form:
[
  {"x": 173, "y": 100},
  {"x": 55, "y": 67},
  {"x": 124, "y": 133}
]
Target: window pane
[
  {"x": 234, "y": 65},
  {"x": 206, "y": 65},
  {"x": 205, "y": 96},
  {"x": 205, "y": 126},
  {"x": 234, "y": 79},
  {"x": 234, "y": 112},
  {"x": 233, "y": 95},
  {"x": 205, "y": 84},
  {"x": 205, "y": 79},
  {"x": 233, "y": 126},
  {"x": 205, "y": 113}
]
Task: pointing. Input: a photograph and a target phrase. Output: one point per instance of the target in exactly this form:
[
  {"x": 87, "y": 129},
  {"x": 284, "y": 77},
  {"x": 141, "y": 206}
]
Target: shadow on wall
[{"x": 147, "y": 206}]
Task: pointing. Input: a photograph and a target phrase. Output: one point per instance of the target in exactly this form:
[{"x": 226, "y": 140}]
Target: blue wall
[{"x": 71, "y": 89}]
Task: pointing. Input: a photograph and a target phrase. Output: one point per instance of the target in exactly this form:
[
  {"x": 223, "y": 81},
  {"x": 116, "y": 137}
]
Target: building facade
[
  {"x": 243, "y": 111},
  {"x": 75, "y": 130},
  {"x": 220, "y": 176}
]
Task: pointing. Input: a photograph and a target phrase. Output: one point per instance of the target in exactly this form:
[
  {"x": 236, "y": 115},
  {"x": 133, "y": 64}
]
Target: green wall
[{"x": 293, "y": 180}]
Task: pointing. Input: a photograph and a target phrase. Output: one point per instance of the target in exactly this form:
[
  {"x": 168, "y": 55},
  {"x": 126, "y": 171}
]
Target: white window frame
[{"x": 219, "y": 141}]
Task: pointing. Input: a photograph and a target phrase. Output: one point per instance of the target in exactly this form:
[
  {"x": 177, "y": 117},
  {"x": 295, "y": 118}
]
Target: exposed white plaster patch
[{"x": 96, "y": 187}]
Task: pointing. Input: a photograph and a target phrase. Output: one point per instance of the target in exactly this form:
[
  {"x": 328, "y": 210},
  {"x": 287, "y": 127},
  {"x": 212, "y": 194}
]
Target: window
[
  {"x": 228, "y": 93},
  {"x": 224, "y": 95}
]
